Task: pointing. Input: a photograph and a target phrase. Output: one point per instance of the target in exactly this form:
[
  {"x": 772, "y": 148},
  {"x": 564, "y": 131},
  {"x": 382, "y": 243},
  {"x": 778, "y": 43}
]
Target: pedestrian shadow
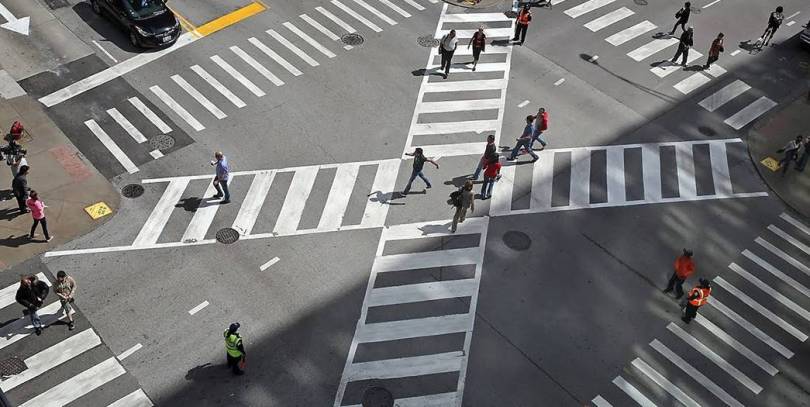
[
  {"x": 458, "y": 182},
  {"x": 427, "y": 230},
  {"x": 662, "y": 36},
  {"x": 190, "y": 204},
  {"x": 427, "y": 72},
  {"x": 385, "y": 197},
  {"x": 663, "y": 63},
  {"x": 15, "y": 241},
  {"x": 6, "y": 194},
  {"x": 9, "y": 213},
  {"x": 501, "y": 43},
  {"x": 750, "y": 47},
  {"x": 695, "y": 68}
]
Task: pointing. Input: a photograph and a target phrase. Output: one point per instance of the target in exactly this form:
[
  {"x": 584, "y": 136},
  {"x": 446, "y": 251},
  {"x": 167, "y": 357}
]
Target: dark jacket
[
  {"x": 19, "y": 185},
  {"x": 686, "y": 40},
  {"x": 32, "y": 296},
  {"x": 684, "y": 14}
]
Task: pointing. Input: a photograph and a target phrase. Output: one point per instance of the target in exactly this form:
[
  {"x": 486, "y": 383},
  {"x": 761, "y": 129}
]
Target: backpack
[
  {"x": 455, "y": 198},
  {"x": 16, "y": 131}
]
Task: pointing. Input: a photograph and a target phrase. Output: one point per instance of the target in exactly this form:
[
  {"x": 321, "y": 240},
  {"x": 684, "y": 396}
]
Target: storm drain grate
[
  {"x": 352, "y": 39},
  {"x": 132, "y": 191},
  {"x": 517, "y": 240},
  {"x": 161, "y": 142},
  {"x": 227, "y": 235},
  {"x": 427, "y": 41},
  {"x": 11, "y": 366}
]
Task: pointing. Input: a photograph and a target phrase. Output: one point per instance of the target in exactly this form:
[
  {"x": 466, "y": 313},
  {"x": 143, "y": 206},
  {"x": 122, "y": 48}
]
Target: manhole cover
[
  {"x": 132, "y": 191},
  {"x": 707, "y": 131},
  {"x": 352, "y": 39},
  {"x": 161, "y": 142},
  {"x": 227, "y": 235},
  {"x": 377, "y": 397},
  {"x": 11, "y": 366},
  {"x": 517, "y": 240},
  {"x": 427, "y": 41}
]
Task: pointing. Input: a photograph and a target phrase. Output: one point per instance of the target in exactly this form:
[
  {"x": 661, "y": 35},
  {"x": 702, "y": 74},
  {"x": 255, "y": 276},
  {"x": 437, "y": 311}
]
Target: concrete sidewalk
[
  {"x": 770, "y": 135},
  {"x": 65, "y": 181}
]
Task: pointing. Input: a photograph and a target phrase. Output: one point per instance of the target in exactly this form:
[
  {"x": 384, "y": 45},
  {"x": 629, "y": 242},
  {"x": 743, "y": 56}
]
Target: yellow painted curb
[
  {"x": 98, "y": 210},
  {"x": 230, "y": 19}
]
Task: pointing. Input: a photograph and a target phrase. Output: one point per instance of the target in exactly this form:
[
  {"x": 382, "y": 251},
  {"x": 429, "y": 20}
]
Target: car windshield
[{"x": 145, "y": 8}]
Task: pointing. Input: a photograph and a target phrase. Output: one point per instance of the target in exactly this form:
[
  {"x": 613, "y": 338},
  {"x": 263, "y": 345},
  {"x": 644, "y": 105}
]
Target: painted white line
[
  {"x": 721, "y": 176},
  {"x": 790, "y": 239},
  {"x": 274, "y": 56},
  {"x": 309, "y": 40},
  {"x": 253, "y": 201},
  {"x": 357, "y": 16},
  {"x": 792, "y": 15},
  {"x": 405, "y": 367},
  {"x": 474, "y": 17},
  {"x": 711, "y": 4},
  {"x": 135, "y": 399},
  {"x": 662, "y": 381},
  {"x": 113, "y": 72},
  {"x": 415, "y": 5},
  {"x": 461, "y": 105},
  {"x": 464, "y": 51},
  {"x": 586, "y": 7},
  {"x": 78, "y": 385},
  {"x": 381, "y": 191},
  {"x": 396, "y": 8},
  {"x": 408, "y": 293},
  {"x": 52, "y": 357},
  {"x": 651, "y": 170},
  {"x": 608, "y": 19},
  {"x": 199, "y": 97},
  {"x": 376, "y": 12},
  {"x": 593, "y": 58},
  {"x": 668, "y": 67},
  {"x": 8, "y": 294},
  {"x": 216, "y": 84},
  {"x": 616, "y": 192},
  {"x": 431, "y": 400},
  {"x": 747, "y": 300},
  {"x": 739, "y": 347},
  {"x": 107, "y": 53},
  {"x": 441, "y": 258},
  {"x": 599, "y": 401},
  {"x": 633, "y": 392},
  {"x": 156, "y": 154},
  {"x": 770, "y": 291},
  {"x": 454, "y": 127},
  {"x": 413, "y": 328},
  {"x": 126, "y": 125},
  {"x": 113, "y": 148},
  {"x": 492, "y": 33},
  {"x": 177, "y": 108},
  {"x": 256, "y": 65},
  {"x": 629, "y": 33},
  {"x": 753, "y": 330},
  {"x": 724, "y": 95},
  {"x": 198, "y": 308},
  {"x": 153, "y": 227},
  {"x": 691, "y": 83},
  {"x": 580, "y": 178},
  {"x": 521, "y": 104},
  {"x": 267, "y": 265},
  {"x": 687, "y": 183},
  {"x": 695, "y": 374},
  {"x": 22, "y": 328},
  {"x": 502, "y": 197},
  {"x": 325, "y": 31},
  {"x": 714, "y": 357},
  {"x": 793, "y": 221},
  {"x": 784, "y": 256},
  {"x": 127, "y": 353},
  {"x": 790, "y": 23},
  {"x": 716, "y": 70},
  {"x": 9, "y": 88},
  {"x": 734, "y": 53},
  {"x": 559, "y": 82},
  {"x": 335, "y": 19},
  {"x": 295, "y": 50},
  {"x": 203, "y": 216},
  {"x": 428, "y": 229},
  {"x": 238, "y": 76},
  {"x": 649, "y": 49},
  {"x": 542, "y": 178},
  {"x": 338, "y": 199},
  {"x": 482, "y": 67},
  {"x": 290, "y": 215},
  {"x": 750, "y": 113},
  {"x": 149, "y": 114},
  {"x": 777, "y": 273}
]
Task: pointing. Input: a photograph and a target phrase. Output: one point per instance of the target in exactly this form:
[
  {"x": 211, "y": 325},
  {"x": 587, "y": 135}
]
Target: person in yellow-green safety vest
[{"x": 234, "y": 349}]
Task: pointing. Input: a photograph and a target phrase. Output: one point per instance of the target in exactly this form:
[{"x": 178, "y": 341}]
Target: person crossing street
[
  {"x": 684, "y": 45},
  {"x": 682, "y": 17},
  {"x": 524, "y": 141},
  {"x": 447, "y": 47},
  {"x": 466, "y": 201},
  {"x": 222, "y": 177},
  {"x": 490, "y": 149},
  {"x": 234, "y": 349},
  {"x": 479, "y": 44},
  {"x": 419, "y": 161},
  {"x": 540, "y": 126},
  {"x": 714, "y": 51},
  {"x": 65, "y": 289},
  {"x": 31, "y": 295},
  {"x": 698, "y": 297},
  {"x": 684, "y": 267}
]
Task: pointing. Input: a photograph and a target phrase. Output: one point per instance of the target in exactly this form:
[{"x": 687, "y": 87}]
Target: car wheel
[
  {"x": 96, "y": 7},
  {"x": 133, "y": 39}
]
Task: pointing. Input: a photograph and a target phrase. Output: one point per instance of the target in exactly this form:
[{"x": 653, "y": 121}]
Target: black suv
[{"x": 149, "y": 22}]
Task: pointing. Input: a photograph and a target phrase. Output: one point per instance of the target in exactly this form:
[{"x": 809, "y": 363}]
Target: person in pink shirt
[{"x": 37, "y": 208}]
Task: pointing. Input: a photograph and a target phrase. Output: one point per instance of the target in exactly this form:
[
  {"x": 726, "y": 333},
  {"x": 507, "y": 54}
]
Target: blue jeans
[
  {"x": 35, "y": 321},
  {"x": 222, "y": 186},
  {"x": 486, "y": 187},
  {"x": 525, "y": 143},
  {"x": 416, "y": 173},
  {"x": 538, "y": 136},
  {"x": 478, "y": 169}
]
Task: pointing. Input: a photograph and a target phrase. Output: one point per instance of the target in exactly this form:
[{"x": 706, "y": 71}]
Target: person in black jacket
[
  {"x": 682, "y": 17},
  {"x": 19, "y": 186},
  {"x": 684, "y": 45},
  {"x": 31, "y": 295}
]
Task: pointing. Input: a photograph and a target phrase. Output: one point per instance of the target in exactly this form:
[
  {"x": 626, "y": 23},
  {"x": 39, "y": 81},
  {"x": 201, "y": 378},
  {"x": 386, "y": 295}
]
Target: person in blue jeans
[
  {"x": 525, "y": 140},
  {"x": 31, "y": 295},
  {"x": 419, "y": 161},
  {"x": 223, "y": 175},
  {"x": 488, "y": 150},
  {"x": 491, "y": 170}
]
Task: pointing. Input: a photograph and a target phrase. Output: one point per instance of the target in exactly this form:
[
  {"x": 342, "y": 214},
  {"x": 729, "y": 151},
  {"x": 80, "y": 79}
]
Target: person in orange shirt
[
  {"x": 522, "y": 24},
  {"x": 698, "y": 297},
  {"x": 684, "y": 267}
]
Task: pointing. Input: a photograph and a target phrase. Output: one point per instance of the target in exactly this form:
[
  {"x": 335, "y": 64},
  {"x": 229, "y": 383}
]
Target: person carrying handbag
[{"x": 447, "y": 47}]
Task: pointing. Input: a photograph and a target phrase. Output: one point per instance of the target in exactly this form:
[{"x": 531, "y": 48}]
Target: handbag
[{"x": 679, "y": 13}]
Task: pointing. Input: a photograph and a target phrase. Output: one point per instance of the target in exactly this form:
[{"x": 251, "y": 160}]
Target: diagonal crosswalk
[{"x": 736, "y": 323}]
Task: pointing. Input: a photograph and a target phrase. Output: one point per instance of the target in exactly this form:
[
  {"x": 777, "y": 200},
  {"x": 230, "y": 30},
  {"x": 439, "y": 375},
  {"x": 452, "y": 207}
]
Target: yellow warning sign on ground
[
  {"x": 770, "y": 163},
  {"x": 98, "y": 210}
]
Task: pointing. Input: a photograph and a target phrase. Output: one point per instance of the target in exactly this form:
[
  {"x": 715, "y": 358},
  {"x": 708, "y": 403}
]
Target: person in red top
[
  {"x": 522, "y": 24},
  {"x": 37, "y": 208},
  {"x": 714, "y": 51},
  {"x": 684, "y": 267},
  {"x": 491, "y": 170},
  {"x": 540, "y": 125},
  {"x": 698, "y": 297},
  {"x": 478, "y": 43}
]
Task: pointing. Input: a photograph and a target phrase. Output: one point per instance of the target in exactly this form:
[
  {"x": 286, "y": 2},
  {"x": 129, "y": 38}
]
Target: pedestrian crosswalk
[
  {"x": 61, "y": 367},
  {"x": 435, "y": 123},
  {"x": 738, "y": 339},
  {"x": 398, "y": 283},
  {"x": 617, "y": 24}
]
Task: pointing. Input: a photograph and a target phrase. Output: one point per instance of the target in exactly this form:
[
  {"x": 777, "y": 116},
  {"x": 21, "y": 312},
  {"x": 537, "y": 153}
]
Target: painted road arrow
[{"x": 18, "y": 25}]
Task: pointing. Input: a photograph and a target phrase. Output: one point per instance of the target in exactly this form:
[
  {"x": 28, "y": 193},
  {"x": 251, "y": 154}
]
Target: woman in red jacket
[{"x": 491, "y": 170}]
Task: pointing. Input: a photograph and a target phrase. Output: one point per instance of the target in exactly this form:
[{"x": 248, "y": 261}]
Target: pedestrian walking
[
  {"x": 682, "y": 17},
  {"x": 419, "y": 161},
  {"x": 714, "y": 51},
  {"x": 490, "y": 149},
  {"x": 465, "y": 201},
  {"x": 804, "y": 156},
  {"x": 15, "y": 161},
  {"x": 684, "y": 267},
  {"x": 525, "y": 140},
  {"x": 31, "y": 295},
  {"x": 774, "y": 21},
  {"x": 234, "y": 349},
  {"x": 522, "y": 24},
  {"x": 791, "y": 152},
  {"x": 447, "y": 47},
  {"x": 540, "y": 126},
  {"x": 65, "y": 289},
  {"x": 492, "y": 171},
  {"x": 684, "y": 45},
  {"x": 37, "y": 208},
  {"x": 478, "y": 42},
  {"x": 223, "y": 175},
  {"x": 698, "y": 297},
  {"x": 19, "y": 187}
]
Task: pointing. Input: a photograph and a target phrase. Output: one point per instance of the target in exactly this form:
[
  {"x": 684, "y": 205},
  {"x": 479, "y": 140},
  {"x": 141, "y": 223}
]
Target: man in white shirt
[{"x": 447, "y": 46}]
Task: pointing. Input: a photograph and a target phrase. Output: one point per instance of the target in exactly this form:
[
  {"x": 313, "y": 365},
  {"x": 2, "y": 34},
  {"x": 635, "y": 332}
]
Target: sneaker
[
  {"x": 71, "y": 326},
  {"x": 510, "y": 159},
  {"x": 685, "y": 320},
  {"x": 428, "y": 186},
  {"x": 216, "y": 196},
  {"x": 38, "y": 331},
  {"x": 473, "y": 69},
  {"x": 49, "y": 239},
  {"x": 224, "y": 201}
]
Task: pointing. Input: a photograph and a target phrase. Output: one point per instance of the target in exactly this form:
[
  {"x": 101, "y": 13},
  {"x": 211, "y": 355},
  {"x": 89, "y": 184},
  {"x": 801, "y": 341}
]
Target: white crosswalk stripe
[
  {"x": 111, "y": 146},
  {"x": 274, "y": 56},
  {"x": 325, "y": 31},
  {"x": 651, "y": 48},
  {"x": 135, "y": 399},
  {"x": 149, "y": 114},
  {"x": 177, "y": 108},
  {"x": 396, "y": 8},
  {"x": 633, "y": 392},
  {"x": 309, "y": 40},
  {"x": 357, "y": 16},
  {"x": 290, "y": 46},
  {"x": 194, "y": 93},
  {"x": 376, "y": 12},
  {"x": 586, "y": 7},
  {"x": 256, "y": 65},
  {"x": 126, "y": 125},
  {"x": 216, "y": 84},
  {"x": 610, "y": 18},
  {"x": 237, "y": 75},
  {"x": 724, "y": 95},
  {"x": 337, "y": 20},
  {"x": 749, "y": 113},
  {"x": 691, "y": 83},
  {"x": 631, "y": 32}
]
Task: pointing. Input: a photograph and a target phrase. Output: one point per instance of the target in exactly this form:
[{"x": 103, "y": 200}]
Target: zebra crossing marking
[
  {"x": 357, "y": 16},
  {"x": 782, "y": 255},
  {"x": 199, "y": 97},
  {"x": 586, "y": 7},
  {"x": 608, "y": 19},
  {"x": 274, "y": 56},
  {"x": 691, "y": 83},
  {"x": 770, "y": 315},
  {"x": 79, "y": 385},
  {"x": 150, "y": 115},
  {"x": 294, "y": 49},
  {"x": 335, "y": 19},
  {"x": 751, "y": 328},
  {"x": 736, "y": 345},
  {"x": 237, "y": 76},
  {"x": 396, "y": 8},
  {"x": 309, "y": 40},
  {"x": 749, "y": 113},
  {"x": 724, "y": 95},
  {"x": 664, "y": 383},
  {"x": 113, "y": 148},
  {"x": 216, "y": 84},
  {"x": 177, "y": 108},
  {"x": 253, "y": 63},
  {"x": 135, "y": 399},
  {"x": 770, "y": 291},
  {"x": 633, "y": 392},
  {"x": 126, "y": 125},
  {"x": 376, "y": 12},
  {"x": 629, "y": 33},
  {"x": 651, "y": 48}
]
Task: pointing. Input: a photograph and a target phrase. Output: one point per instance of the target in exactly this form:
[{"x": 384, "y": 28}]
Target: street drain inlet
[
  {"x": 352, "y": 39},
  {"x": 161, "y": 142},
  {"x": 427, "y": 41},
  {"x": 132, "y": 191},
  {"x": 12, "y": 366},
  {"x": 517, "y": 240},
  {"x": 227, "y": 235}
]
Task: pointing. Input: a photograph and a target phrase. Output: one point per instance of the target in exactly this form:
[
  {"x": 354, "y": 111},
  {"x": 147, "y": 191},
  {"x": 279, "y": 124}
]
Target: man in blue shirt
[
  {"x": 525, "y": 140},
  {"x": 222, "y": 177}
]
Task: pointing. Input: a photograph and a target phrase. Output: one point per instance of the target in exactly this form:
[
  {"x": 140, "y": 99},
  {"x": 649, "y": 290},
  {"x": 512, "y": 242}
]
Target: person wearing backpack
[
  {"x": 682, "y": 17},
  {"x": 463, "y": 200}
]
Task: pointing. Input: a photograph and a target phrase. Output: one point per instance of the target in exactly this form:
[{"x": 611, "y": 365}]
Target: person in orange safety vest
[
  {"x": 684, "y": 267},
  {"x": 522, "y": 24},
  {"x": 697, "y": 298}
]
